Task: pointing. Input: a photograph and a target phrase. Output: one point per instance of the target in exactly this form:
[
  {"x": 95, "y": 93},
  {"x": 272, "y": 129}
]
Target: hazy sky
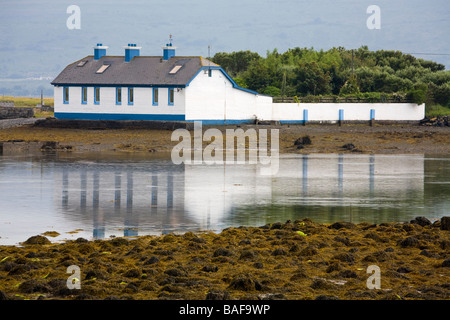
[{"x": 35, "y": 41}]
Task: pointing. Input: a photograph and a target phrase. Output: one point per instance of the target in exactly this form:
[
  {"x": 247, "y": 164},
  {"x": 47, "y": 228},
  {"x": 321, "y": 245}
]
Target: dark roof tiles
[{"x": 140, "y": 71}]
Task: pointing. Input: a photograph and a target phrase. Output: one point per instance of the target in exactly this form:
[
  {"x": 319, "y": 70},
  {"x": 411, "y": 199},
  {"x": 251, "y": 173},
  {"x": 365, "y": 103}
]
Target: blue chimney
[
  {"x": 99, "y": 51},
  {"x": 168, "y": 51},
  {"x": 131, "y": 51}
]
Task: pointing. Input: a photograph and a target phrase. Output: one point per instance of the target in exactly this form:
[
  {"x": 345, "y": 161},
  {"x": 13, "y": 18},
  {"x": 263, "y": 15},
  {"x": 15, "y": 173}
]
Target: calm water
[{"x": 98, "y": 196}]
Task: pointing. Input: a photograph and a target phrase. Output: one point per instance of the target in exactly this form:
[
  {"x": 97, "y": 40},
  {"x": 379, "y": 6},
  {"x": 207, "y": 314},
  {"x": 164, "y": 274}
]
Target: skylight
[
  {"x": 103, "y": 68},
  {"x": 175, "y": 69},
  {"x": 81, "y": 63}
]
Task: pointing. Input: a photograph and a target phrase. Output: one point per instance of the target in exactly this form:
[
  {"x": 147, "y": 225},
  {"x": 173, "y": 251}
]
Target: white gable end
[{"x": 211, "y": 96}]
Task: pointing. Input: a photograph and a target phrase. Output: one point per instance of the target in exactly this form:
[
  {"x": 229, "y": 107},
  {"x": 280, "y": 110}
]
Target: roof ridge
[
  {"x": 79, "y": 60},
  {"x": 208, "y": 63},
  {"x": 140, "y": 56}
]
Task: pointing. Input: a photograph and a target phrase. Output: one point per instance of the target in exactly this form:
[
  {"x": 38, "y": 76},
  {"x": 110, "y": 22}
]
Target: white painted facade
[
  {"x": 210, "y": 96},
  {"x": 214, "y": 98},
  {"x": 142, "y": 104}
]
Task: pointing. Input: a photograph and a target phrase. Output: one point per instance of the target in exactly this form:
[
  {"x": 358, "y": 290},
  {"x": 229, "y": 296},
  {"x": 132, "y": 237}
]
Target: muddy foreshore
[
  {"x": 295, "y": 260},
  {"x": 324, "y": 138}
]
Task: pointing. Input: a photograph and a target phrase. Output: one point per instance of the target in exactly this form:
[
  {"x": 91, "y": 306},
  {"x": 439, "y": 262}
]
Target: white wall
[
  {"x": 143, "y": 101},
  {"x": 215, "y": 98},
  {"x": 239, "y": 104},
  {"x": 352, "y": 111},
  {"x": 264, "y": 108},
  {"x": 205, "y": 96},
  {"x": 57, "y": 98},
  {"x": 286, "y": 111}
]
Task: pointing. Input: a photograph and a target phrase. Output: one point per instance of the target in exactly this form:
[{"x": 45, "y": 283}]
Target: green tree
[
  {"x": 306, "y": 71},
  {"x": 257, "y": 76},
  {"x": 272, "y": 91},
  {"x": 240, "y": 82},
  {"x": 237, "y": 62},
  {"x": 440, "y": 94},
  {"x": 418, "y": 94},
  {"x": 350, "y": 86},
  {"x": 311, "y": 79}
]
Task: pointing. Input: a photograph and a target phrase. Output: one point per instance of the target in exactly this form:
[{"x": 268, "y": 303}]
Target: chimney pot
[
  {"x": 99, "y": 51},
  {"x": 168, "y": 51},
  {"x": 131, "y": 51}
]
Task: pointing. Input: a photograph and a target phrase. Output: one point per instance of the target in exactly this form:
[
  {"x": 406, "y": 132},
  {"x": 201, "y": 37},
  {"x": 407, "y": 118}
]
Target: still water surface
[{"x": 103, "y": 195}]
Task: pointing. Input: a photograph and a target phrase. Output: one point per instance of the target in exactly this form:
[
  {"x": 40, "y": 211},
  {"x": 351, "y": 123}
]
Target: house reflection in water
[
  {"x": 157, "y": 197},
  {"x": 121, "y": 195}
]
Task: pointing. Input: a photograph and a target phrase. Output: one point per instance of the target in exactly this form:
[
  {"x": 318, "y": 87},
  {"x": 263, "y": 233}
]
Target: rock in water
[
  {"x": 37, "y": 240},
  {"x": 306, "y": 140},
  {"x": 409, "y": 242},
  {"x": 421, "y": 221},
  {"x": 445, "y": 223}
]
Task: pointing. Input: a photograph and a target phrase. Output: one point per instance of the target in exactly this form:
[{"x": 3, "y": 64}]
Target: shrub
[
  {"x": 441, "y": 94},
  {"x": 350, "y": 86},
  {"x": 272, "y": 91},
  {"x": 436, "y": 110},
  {"x": 418, "y": 94}
]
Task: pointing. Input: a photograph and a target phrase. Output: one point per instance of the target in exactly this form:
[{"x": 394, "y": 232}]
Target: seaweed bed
[{"x": 291, "y": 261}]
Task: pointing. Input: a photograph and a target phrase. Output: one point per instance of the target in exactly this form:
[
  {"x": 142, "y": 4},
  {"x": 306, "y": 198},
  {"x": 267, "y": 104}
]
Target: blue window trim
[
  {"x": 64, "y": 95},
  {"x": 83, "y": 101},
  {"x": 95, "y": 95},
  {"x": 117, "y": 96},
  {"x": 155, "y": 103},
  {"x": 130, "y": 103},
  {"x": 168, "y": 96}
]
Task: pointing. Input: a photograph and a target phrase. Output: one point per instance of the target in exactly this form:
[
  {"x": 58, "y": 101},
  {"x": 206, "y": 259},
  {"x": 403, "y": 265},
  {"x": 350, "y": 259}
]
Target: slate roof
[{"x": 140, "y": 71}]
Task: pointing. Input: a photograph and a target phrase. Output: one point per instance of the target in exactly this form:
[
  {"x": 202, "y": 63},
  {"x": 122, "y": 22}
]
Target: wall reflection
[
  {"x": 306, "y": 185},
  {"x": 160, "y": 197}
]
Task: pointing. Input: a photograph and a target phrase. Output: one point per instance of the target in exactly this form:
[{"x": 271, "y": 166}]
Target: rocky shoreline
[{"x": 295, "y": 260}]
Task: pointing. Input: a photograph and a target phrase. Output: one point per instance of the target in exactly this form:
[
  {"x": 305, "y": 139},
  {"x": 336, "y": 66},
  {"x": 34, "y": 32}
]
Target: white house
[
  {"x": 166, "y": 88},
  {"x": 181, "y": 88}
]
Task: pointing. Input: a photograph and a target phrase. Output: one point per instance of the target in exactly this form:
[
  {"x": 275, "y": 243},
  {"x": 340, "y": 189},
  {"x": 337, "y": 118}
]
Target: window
[
  {"x": 102, "y": 68},
  {"x": 83, "y": 95},
  {"x": 130, "y": 96},
  {"x": 155, "y": 96},
  {"x": 96, "y": 95},
  {"x": 171, "y": 96},
  {"x": 118, "y": 96},
  {"x": 209, "y": 72},
  {"x": 175, "y": 69},
  {"x": 81, "y": 63},
  {"x": 66, "y": 95}
]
